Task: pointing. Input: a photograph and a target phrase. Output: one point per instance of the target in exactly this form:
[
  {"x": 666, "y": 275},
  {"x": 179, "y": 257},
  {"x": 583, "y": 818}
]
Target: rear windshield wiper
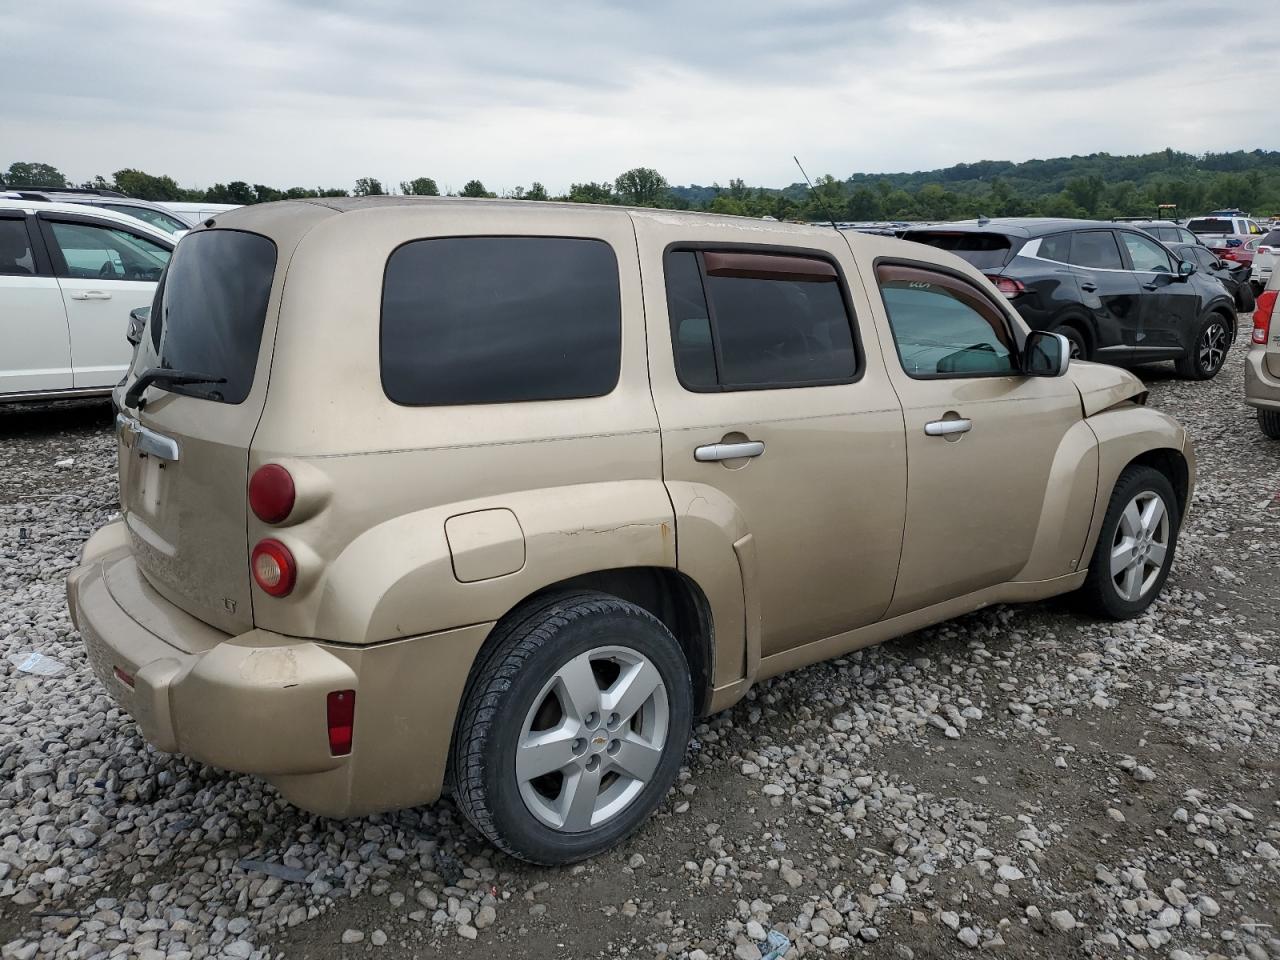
[{"x": 164, "y": 377}]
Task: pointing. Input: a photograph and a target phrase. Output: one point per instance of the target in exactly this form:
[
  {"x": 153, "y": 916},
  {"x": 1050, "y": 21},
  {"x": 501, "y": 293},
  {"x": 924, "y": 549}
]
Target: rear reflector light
[
  {"x": 342, "y": 721},
  {"x": 125, "y": 678},
  {"x": 271, "y": 493},
  {"x": 1262, "y": 313},
  {"x": 1007, "y": 285},
  {"x": 274, "y": 569}
]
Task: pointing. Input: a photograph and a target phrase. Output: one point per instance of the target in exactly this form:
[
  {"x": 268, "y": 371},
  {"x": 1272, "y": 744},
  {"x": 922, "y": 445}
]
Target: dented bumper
[{"x": 257, "y": 703}]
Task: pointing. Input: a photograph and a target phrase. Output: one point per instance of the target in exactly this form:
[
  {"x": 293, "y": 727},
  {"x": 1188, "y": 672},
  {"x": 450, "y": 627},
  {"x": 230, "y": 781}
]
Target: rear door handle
[
  {"x": 945, "y": 428},
  {"x": 91, "y": 295},
  {"x": 1088, "y": 287},
  {"x": 710, "y": 452},
  {"x": 1150, "y": 286}
]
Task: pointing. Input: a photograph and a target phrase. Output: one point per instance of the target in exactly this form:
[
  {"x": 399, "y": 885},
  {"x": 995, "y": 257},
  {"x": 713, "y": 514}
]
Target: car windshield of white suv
[{"x": 156, "y": 218}]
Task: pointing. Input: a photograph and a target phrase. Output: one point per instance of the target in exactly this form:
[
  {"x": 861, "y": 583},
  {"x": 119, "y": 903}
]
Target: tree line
[{"x": 1098, "y": 185}]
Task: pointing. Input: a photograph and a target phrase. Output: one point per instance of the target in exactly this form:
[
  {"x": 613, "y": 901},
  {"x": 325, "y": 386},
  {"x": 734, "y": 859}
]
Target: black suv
[{"x": 1115, "y": 292}]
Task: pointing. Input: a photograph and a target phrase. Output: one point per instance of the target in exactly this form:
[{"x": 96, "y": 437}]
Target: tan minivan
[
  {"x": 1262, "y": 365},
  {"x": 498, "y": 496}
]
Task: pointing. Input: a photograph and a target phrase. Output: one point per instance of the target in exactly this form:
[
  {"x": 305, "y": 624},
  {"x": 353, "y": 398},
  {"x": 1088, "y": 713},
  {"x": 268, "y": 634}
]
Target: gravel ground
[{"x": 1023, "y": 782}]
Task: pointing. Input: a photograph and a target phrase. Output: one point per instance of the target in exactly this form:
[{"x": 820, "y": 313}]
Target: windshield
[
  {"x": 209, "y": 311},
  {"x": 986, "y": 251},
  {"x": 157, "y": 218}
]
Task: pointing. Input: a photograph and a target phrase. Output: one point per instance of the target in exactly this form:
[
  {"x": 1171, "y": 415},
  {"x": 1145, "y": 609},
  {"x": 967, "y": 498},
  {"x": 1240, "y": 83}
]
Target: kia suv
[{"x": 1116, "y": 293}]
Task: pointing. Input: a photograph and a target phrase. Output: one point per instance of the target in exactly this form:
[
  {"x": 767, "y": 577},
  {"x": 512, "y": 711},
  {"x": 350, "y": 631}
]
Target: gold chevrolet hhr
[{"x": 498, "y": 496}]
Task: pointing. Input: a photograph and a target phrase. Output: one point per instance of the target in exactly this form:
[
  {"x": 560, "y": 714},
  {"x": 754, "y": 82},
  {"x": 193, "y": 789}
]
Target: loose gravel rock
[{"x": 1023, "y": 780}]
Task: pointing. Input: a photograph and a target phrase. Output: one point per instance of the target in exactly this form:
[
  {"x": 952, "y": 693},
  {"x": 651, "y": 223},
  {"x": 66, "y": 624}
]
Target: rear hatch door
[{"x": 184, "y": 448}]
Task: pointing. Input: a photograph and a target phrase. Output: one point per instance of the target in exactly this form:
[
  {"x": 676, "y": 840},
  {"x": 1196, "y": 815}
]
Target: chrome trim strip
[{"x": 147, "y": 440}]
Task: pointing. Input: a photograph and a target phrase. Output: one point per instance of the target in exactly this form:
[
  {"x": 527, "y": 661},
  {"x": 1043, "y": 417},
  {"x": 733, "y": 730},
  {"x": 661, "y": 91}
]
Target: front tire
[
  {"x": 1135, "y": 547},
  {"x": 573, "y": 727},
  {"x": 1079, "y": 344},
  {"x": 1269, "y": 421},
  {"x": 1208, "y": 351}
]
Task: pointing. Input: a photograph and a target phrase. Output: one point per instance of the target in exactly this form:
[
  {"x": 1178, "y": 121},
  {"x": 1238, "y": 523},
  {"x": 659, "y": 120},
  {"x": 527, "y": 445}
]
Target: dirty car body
[{"x": 742, "y": 500}]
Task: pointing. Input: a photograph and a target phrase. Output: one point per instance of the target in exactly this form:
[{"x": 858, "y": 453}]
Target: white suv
[
  {"x": 69, "y": 276},
  {"x": 1218, "y": 230}
]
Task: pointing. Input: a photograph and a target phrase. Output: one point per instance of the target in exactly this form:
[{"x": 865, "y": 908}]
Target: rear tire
[
  {"x": 1208, "y": 350},
  {"x": 1269, "y": 421},
  {"x": 1136, "y": 545},
  {"x": 573, "y": 727}
]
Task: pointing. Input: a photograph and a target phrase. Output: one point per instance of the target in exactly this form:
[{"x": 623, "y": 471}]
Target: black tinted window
[
  {"x": 760, "y": 330},
  {"x": 986, "y": 251},
  {"x": 1057, "y": 248},
  {"x": 15, "y": 249},
  {"x": 1272, "y": 239},
  {"x": 211, "y": 311},
  {"x": 1097, "y": 249},
  {"x": 500, "y": 320},
  {"x": 1211, "y": 225}
]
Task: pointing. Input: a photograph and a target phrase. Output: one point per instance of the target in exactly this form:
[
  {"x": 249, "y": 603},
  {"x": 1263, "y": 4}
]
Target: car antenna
[
  {"x": 983, "y": 220},
  {"x": 817, "y": 196}
]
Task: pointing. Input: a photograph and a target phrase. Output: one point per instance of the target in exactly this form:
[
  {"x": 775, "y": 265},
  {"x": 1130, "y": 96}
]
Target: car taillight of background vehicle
[
  {"x": 274, "y": 569},
  {"x": 1007, "y": 285},
  {"x": 1262, "y": 314},
  {"x": 271, "y": 493}
]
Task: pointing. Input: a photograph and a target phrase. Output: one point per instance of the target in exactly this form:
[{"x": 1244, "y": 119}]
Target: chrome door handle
[
  {"x": 711, "y": 452},
  {"x": 945, "y": 428},
  {"x": 91, "y": 295}
]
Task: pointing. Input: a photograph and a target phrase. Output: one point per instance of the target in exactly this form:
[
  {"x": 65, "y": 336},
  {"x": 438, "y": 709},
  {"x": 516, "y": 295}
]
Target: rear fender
[{"x": 472, "y": 561}]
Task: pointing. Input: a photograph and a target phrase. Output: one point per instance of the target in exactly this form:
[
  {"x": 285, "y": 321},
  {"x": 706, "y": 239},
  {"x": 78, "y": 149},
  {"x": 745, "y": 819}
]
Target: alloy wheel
[
  {"x": 1140, "y": 545},
  {"x": 1213, "y": 346},
  {"x": 593, "y": 739}
]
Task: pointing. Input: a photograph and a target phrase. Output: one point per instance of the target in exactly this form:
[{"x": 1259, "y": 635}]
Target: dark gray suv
[{"x": 1118, "y": 294}]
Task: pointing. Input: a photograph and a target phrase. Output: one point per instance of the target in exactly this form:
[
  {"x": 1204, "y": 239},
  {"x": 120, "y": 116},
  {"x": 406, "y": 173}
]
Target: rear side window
[
  {"x": 208, "y": 313},
  {"x": 1208, "y": 225},
  {"x": 1096, "y": 249},
  {"x": 750, "y": 321},
  {"x": 986, "y": 251},
  {"x": 500, "y": 320},
  {"x": 943, "y": 326}
]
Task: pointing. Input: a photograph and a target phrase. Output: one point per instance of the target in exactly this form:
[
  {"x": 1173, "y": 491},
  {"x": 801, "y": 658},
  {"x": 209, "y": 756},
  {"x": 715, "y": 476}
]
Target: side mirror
[
  {"x": 1045, "y": 354},
  {"x": 1186, "y": 268},
  {"x": 137, "y": 324}
]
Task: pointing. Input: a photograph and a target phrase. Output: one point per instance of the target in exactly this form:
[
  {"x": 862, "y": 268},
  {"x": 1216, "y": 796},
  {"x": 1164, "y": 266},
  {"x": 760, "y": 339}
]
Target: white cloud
[{"x": 286, "y": 92}]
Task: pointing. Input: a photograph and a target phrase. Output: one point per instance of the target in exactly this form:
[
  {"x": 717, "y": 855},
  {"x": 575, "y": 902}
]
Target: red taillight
[
  {"x": 1262, "y": 312},
  {"x": 271, "y": 493},
  {"x": 1007, "y": 285},
  {"x": 342, "y": 721},
  {"x": 274, "y": 569}
]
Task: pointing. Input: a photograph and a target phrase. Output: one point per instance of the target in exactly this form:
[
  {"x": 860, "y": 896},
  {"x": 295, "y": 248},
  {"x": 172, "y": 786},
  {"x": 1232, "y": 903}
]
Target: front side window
[
  {"x": 944, "y": 326},
  {"x": 16, "y": 259},
  {"x": 1205, "y": 258},
  {"x": 94, "y": 252},
  {"x": 1147, "y": 255},
  {"x": 747, "y": 320},
  {"x": 469, "y": 320},
  {"x": 1096, "y": 249}
]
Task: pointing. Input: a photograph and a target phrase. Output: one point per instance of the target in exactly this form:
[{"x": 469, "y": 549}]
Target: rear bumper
[
  {"x": 257, "y": 703},
  {"x": 1261, "y": 387}
]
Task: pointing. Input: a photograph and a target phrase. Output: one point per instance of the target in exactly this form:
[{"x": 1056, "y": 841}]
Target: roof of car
[
  {"x": 264, "y": 213},
  {"x": 84, "y": 210},
  {"x": 1020, "y": 226},
  {"x": 1144, "y": 224}
]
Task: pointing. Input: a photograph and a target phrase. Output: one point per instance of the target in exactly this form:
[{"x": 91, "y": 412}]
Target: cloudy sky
[{"x": 320, "y": 92}]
